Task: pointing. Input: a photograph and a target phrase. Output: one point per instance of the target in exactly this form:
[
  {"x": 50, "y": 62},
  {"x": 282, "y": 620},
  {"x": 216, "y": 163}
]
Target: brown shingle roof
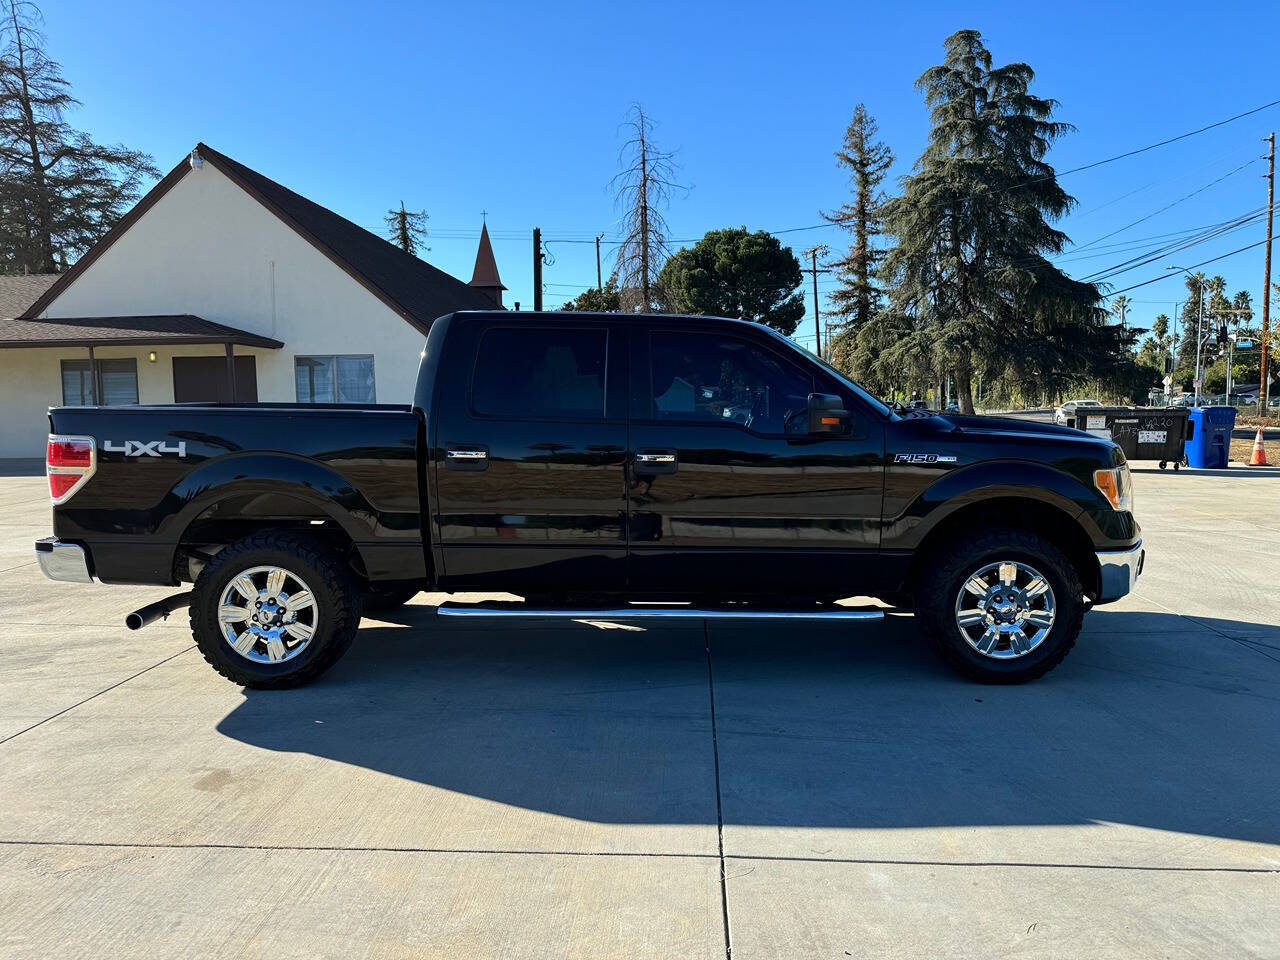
[
  {"x": 19, "y": 291},
  {"x": 141, "y": 331},
  {"x": 414, "y": 289}
]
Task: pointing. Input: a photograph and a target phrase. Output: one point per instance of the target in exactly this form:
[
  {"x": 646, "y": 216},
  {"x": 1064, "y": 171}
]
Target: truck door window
[
  {"x": 553, "y": 373},
  {"x": 712, "y": 378}
]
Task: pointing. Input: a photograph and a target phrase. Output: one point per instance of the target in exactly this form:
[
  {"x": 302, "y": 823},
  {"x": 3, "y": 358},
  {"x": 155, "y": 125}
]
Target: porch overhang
[{"x": 134, "y": 331}]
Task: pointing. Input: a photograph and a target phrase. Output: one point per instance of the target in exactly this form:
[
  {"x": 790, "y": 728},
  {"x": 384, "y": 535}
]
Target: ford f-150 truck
[{"x": 595, "y": 465}]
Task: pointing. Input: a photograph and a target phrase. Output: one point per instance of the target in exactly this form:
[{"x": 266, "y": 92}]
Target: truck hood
[{"x": 1011, "y": 425}]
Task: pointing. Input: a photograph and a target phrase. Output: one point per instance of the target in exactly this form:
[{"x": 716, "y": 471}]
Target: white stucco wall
[
  {"x": 209, "y": 249},
  {"x": 31, "y": 382}
]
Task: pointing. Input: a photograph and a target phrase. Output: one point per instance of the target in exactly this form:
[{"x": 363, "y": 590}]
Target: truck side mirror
[{"x": 827, "y": 415}]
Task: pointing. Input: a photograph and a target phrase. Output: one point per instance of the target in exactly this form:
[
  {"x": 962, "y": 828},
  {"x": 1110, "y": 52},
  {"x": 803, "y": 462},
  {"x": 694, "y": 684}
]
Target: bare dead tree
[
  {"x": 59, "y": 190},
  {"x": 641, "y": 190}
]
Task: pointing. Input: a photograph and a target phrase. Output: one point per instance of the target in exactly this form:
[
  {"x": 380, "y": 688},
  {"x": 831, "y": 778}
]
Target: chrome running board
[{"x": 674, "y": 612}]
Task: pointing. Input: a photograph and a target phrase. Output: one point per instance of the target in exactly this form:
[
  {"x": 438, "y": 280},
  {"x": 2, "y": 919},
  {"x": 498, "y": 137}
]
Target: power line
[
  {"x": 1175, "y": 247},
  {"x": 1192, "y": 267},
  {"x": 1078, "y": 247},
  {"x": 1150, "y": 146}
]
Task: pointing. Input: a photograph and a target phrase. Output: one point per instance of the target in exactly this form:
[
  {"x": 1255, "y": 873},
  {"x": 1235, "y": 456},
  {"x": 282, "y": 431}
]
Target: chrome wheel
[
  {"x": 267, "y": 614},
  {"x": 1005, "y": 609}
]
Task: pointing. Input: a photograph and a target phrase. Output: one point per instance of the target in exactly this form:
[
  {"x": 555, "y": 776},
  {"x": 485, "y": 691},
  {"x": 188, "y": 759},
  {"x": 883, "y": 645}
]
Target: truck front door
[
  {"x": 529, "y": 455},
  {"x": 729, "y": 492}
]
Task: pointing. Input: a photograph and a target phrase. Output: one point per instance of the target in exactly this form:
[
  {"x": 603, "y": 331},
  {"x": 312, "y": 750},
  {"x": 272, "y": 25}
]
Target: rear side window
[{"x": 554, "y": 373}]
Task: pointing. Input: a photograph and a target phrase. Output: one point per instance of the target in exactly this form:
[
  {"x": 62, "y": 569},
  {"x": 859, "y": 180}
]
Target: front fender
[{"x": 988, "y": 480}]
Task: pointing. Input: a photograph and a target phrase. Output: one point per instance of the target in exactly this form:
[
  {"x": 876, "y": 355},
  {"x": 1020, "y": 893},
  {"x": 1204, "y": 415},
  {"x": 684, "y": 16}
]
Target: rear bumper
[
  {"x": 63, "y": 561},
  {"x": 1119, "y": 571}
]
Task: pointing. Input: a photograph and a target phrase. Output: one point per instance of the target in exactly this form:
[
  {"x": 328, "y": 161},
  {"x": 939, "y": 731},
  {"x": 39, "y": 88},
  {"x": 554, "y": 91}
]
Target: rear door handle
[
  {"x": 649, "y": 462},
  {"x": 466, "y": 458}
]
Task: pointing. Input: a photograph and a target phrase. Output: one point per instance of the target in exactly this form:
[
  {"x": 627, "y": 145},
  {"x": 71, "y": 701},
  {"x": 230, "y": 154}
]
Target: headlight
[{"x": 1116, "y": 484}]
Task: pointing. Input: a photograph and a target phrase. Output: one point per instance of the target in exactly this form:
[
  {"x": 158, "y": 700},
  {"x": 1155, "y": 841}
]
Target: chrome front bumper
[
  {"x": 63, "y": 561},
  {"x": 1119, "y": 571}
]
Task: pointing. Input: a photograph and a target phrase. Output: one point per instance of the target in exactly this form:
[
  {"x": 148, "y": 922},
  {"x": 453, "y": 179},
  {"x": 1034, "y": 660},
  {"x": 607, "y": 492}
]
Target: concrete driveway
[{"x": 602, "y": 790}]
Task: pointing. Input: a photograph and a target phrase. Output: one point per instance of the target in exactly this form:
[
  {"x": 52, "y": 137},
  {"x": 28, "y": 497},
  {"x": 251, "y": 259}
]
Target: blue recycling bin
[{"x": 1210, "y": 440}]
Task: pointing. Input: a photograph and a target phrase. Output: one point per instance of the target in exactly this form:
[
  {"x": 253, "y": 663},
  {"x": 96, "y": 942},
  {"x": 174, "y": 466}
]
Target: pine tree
[
  {"x": 407, "y": 229},
  {"x": 59, "y": 190},
  {"x": 858, "y": 298},
  {"x": 972, "y": 231}
]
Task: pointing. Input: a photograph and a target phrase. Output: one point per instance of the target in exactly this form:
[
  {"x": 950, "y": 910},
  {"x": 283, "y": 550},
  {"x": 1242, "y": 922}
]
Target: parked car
[
  {"x": 584, "y": 463},
  {"x": 1067, "y": 411}
]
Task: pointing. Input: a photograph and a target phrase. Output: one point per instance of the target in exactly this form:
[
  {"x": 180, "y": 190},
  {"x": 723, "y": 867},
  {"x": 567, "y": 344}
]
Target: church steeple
[{"x": 485, "y": 275}]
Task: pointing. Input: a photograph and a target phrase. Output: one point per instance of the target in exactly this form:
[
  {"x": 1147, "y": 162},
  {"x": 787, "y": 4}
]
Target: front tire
[
  {"x": 274, "y": 610},
  {"x": 1001, "y": 605}
]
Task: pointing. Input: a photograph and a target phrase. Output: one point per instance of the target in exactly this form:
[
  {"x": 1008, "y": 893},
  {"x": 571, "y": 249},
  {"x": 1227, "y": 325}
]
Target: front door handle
[
  {"x": 649, "y": 462},
  {"x": 466, "y": 458}
]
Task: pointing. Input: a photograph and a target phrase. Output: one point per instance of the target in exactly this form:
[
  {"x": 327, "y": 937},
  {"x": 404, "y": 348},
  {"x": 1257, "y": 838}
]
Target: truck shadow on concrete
[{"x": 1154, "y": 720}]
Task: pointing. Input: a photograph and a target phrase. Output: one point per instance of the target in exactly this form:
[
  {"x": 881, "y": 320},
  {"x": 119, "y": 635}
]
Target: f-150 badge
[
  {"x": 923, "y": 458},
  {"x": 144, "y": 448}
]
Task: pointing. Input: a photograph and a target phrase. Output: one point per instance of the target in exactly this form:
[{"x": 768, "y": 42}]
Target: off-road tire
[
  {"x": 944, "y": 572},
  {"x": 337, "y": 598}
]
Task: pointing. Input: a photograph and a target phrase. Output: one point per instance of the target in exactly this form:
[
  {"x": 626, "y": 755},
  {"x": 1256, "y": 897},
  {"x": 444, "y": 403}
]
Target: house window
[
  {"x": 117, "y": 380},
  {"x": 345, "y": 379}
]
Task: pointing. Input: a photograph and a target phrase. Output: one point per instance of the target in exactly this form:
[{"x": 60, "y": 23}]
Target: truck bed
[{"x": 168, "y": 475}]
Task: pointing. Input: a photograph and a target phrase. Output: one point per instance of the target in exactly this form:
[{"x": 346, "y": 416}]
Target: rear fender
[{"x": 274, "y": 474}]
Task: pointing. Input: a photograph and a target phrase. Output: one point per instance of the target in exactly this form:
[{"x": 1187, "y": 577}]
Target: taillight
[{"x": 69, "y": 463}]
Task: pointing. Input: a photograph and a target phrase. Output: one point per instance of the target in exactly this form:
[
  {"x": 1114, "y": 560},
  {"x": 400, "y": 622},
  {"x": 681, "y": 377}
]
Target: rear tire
[
  {"x": 301, "y": 621},
  {"x": 1023, "y": 604}
]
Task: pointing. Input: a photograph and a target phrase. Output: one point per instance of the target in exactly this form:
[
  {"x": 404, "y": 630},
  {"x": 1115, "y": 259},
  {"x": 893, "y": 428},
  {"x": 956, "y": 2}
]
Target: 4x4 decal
[{"x": 144, "y": 448}]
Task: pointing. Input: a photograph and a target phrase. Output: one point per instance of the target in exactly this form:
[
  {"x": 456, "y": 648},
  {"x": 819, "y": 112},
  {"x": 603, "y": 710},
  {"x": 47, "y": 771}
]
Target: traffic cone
[{"x": 1259, "y": 458}]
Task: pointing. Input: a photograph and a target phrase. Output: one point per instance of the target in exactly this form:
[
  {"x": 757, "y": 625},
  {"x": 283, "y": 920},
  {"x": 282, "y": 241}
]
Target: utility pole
[
  {"x": 1266, "y": 274},
  {"x": 537, "y": 269},
  {"x": 817, "y": 322},
  {"x": 599, "y": 284}
]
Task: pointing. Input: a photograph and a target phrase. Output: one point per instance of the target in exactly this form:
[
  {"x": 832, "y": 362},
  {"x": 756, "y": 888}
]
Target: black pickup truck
[{"x": 595, "y": 466}]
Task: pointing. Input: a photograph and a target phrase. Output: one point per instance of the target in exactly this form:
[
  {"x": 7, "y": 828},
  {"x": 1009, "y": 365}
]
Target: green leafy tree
[
  {"x": 407, "y": 229},
  {"x": 973, "y": 232},
  {"x": 734, "y": 273},
  {"x": 859, "y": 297},
  {"x": 606, "y": 300},
  {"x": 1191, "y": 320},
  {"x": 1155, "y": 348},
  {"x": 60, "y": 191}
]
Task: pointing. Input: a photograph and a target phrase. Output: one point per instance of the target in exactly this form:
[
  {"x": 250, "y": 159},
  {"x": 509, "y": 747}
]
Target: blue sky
[{"x": 515, "y": 109}]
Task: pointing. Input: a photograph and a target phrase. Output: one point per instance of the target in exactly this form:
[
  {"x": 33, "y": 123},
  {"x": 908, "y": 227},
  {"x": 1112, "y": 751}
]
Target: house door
[{"x": 204, "y": 380}]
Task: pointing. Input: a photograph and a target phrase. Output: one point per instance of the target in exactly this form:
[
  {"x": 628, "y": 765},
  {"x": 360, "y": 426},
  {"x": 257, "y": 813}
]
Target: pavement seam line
[
  {"x": 96, "y": 695},
  {"x": 759, "y": 858},
  {"x": 715, "y": 756},
  {"x": 1191, "y": 618}
]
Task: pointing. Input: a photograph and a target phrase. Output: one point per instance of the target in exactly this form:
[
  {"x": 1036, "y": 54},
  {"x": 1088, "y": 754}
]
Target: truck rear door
[{"x": 529, "y": 454}]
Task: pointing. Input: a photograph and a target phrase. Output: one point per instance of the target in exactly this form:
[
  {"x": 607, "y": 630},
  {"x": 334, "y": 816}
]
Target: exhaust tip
[{"x": 134, "y": 622}]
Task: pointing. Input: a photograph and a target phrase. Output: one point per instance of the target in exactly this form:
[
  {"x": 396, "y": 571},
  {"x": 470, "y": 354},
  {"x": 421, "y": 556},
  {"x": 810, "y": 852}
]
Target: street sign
[{"x": 1243, "y": 344}]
